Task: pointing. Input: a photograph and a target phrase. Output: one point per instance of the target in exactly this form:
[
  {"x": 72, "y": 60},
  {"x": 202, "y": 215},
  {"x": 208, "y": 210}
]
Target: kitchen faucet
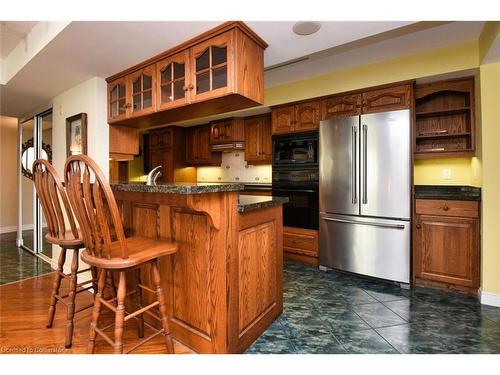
[{"x": 153, "y": 175}]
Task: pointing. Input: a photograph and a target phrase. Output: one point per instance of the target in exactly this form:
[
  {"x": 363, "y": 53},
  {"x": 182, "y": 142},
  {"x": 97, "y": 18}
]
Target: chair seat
[
  {"x": 140, "y": 250},
  {"x": 68, "y": 240}
]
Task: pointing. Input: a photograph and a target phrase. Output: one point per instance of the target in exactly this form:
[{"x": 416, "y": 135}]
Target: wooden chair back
[
  {"x": 95, "y": 207},
  {"x": 51, "y": 193}
]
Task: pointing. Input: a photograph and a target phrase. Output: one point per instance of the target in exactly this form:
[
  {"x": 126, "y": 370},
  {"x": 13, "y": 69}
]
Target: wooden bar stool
[
  {"x": 51, "y": 193},
  {"x": 107, "y": 249}
]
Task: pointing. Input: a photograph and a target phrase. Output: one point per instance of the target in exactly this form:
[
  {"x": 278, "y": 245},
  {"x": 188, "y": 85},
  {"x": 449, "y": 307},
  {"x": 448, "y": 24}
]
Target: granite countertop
[
  {"x": 178, "y": 187},
  {"x": 448, "y": 192},
  {"x": 256, "y": 202}
]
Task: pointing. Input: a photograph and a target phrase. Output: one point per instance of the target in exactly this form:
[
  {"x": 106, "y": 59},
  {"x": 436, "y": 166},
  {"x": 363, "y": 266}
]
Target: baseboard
[
  {"x": 8, "y": 229},
  {"x": 490, "y": 299},
  {"x": 13, "y": 228}
]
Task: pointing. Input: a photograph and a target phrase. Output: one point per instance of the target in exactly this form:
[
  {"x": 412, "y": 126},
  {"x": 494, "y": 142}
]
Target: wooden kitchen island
[{"x": 224, "y": 285}]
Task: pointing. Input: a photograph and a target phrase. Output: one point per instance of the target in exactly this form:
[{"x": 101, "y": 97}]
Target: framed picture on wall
[{"x": 76, "y": 134}]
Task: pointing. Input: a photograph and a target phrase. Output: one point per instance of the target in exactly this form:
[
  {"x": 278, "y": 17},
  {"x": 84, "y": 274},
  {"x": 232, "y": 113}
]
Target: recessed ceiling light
[{"x": 306, "y": 27}]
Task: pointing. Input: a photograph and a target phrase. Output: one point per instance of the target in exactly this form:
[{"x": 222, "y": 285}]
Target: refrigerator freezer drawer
[{"x": 372, "y": 247}]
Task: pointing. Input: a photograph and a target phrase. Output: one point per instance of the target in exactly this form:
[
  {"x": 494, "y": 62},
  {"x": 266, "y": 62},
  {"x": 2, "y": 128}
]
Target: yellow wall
[
  {"x": 465, "y": 171},
  {"x": 490, "y": 119},
  {"x": 423, "y": 64}
]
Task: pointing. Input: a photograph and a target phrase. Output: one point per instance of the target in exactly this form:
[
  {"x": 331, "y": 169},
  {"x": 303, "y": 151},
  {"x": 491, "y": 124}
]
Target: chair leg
[
  {"x": 163, "y": 308},
  {"x": 95, "y": 278},
  {"x": 111, "y": 283},
  {"x": 96, "y": 311},
  {"x": 55, "y": 287},
  {"x": 71, "y": 299},
  {"x": 120, "y": 313},
  {"x": 138, "y": 296}
]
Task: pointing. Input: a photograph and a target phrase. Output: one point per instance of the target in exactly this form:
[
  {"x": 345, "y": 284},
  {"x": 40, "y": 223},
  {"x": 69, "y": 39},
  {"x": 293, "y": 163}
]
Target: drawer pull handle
[
  {"x": 446, "y": 208},
  {"x": 418, "y": 226}
]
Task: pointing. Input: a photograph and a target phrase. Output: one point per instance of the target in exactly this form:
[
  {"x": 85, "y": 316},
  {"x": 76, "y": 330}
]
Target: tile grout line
[{"x": 374, "y": 329}]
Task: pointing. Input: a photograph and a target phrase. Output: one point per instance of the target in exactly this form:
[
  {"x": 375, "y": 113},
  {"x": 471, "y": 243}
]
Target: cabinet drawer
[
  {"x": 300, "y": 241},
  {"x": 447, "y": 208}
]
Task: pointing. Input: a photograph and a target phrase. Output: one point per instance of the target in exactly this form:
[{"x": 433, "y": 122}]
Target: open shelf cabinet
[{"x": 445, "y": 119}]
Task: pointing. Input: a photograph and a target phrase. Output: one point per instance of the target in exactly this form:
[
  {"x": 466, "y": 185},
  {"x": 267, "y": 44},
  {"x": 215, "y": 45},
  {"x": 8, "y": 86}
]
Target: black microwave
[{"x": 295, "y": 150}]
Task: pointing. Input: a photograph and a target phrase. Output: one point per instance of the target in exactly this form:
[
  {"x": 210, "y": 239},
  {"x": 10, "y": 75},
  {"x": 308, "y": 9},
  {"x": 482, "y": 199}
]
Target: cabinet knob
[
  {"x": 446, "y": 208},
  {"x": 418, "y": 226},
  {"x": 127, "y": 105},
  {"x": 190, "y": 86}
]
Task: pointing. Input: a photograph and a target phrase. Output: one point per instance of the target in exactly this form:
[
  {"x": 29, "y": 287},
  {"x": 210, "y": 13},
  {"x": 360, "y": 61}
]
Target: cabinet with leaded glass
[
  {"x": 117, "y": 100},
  {"x": 173, "y": 85},
  {"x": 142, "y": 95}
]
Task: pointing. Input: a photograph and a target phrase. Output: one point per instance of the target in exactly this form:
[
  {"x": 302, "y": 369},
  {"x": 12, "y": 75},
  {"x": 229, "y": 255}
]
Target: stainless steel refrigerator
[{"x": 365, "y": 194}]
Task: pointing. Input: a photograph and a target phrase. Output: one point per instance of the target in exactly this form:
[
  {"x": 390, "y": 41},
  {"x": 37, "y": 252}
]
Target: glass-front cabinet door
[
  {"x": 142, "y": 91},
  {"x": 212, "y": 68},
  {"x": 173, "y": 85},
  {"x": 117, "y": 100}
]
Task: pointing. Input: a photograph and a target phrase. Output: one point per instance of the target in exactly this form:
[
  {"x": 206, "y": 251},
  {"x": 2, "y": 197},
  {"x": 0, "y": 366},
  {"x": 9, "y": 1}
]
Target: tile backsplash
[{"x": 235, "y": 169}]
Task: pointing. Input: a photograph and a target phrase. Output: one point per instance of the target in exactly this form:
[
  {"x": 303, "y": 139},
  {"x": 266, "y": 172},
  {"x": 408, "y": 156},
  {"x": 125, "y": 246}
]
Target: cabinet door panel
[
  {"x": 212, "y": 68},
  {"x": 345, "y": 105},
  {"x": 447, "y": 250},
  {"x": 190, "y": 146},
  {"x": 388, "y": 99},
  {"x": 267, "y": 141},
  {"x": 283, "y": 120},
  {"x": 117, "y": 100},
  {"x": 202, "y": 154},
  {"x": 171, "y": 75},
  {"x": 253, "y": 140},
  {"x": 142, "y": 92},
  {"x": 306, "y": 116}
]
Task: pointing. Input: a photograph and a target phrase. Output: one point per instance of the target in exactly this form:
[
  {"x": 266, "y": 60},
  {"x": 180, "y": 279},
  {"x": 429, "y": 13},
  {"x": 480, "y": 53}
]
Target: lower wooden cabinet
[
  {"x": 301, "y": 245},
  {"x": 446, "y": 244}
]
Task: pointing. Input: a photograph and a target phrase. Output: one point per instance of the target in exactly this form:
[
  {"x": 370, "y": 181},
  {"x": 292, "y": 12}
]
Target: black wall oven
[
  {"x": 296, "y": 176},
  {"x": 295, "y": 151}
]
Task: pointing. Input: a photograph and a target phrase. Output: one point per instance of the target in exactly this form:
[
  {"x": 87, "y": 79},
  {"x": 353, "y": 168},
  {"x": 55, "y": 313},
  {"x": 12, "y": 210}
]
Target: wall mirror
[{"x": 28, "y": 156}]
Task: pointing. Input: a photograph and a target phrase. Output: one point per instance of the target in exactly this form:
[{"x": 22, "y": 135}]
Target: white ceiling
[
  {"x": 12, "y": 33},
  {"x": 86, "y": 49}
]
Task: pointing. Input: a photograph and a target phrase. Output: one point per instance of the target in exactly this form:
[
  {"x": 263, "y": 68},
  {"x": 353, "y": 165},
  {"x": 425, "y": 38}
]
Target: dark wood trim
[{"x": 191, "y": 42}]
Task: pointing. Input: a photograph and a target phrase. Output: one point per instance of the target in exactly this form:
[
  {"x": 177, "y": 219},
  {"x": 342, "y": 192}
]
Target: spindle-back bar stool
[
  {"x": 51, "y": 193},
  {"x": 107, "y": 249}
]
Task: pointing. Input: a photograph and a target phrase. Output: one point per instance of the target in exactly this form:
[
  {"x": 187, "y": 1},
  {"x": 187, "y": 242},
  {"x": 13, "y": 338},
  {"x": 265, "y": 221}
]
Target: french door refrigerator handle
[
  {"x": 373, "y": 224},
  {"x": 365, "y": 168},
  {"x": 354, "y": 167}
]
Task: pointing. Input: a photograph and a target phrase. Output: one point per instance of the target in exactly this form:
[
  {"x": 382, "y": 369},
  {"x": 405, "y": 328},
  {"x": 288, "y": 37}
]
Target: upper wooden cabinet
[
  {"x": 219, "y": 71},
  {"x": 283, "y": 119},
  {"x": 227, "y": 132},
  {"x": 141, "y": 92},
  {"x": 299, "y": 117},
  {"x": 340, "y": 105},
  {"x": 258, "y": 140},
  {"x": 445, "y": 119},
  {"x": 306, "y": 116},
  {"x": 386, "y": 99},
  {"x": 172, "y": 82},
  {"x": 123, "y": 142},
  {"x": 213, "y": 68},
  {"x": 117, "y": 100},
  {"x": 198, "y": 151}
]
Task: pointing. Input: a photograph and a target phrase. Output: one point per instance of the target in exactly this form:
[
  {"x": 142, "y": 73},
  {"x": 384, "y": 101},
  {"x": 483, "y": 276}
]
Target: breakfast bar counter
[{"x": 224, "y": 284}]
